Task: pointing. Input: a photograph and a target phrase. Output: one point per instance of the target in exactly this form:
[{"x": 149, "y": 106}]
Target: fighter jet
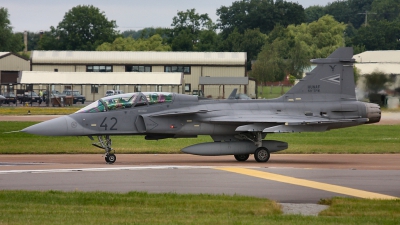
[{"x": 323, "y": 100}]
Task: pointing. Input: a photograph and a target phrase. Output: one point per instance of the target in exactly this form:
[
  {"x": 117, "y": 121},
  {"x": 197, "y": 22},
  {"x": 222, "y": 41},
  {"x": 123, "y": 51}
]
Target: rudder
[{"x": 332, "y": 79}]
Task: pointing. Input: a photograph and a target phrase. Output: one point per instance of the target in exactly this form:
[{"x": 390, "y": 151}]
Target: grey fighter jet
[{"x": 325, "y": 99}]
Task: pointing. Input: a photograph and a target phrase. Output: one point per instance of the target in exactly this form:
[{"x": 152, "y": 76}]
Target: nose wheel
[{"x": 110, "y": 158}]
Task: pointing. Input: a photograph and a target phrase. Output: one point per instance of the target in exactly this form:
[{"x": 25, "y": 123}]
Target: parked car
[
  {"x": 77, "y": 97},
  {"x": 54, "y": 94},
  {"x": 30, "y": 97},
  {"x": 2, "y": 98},
  {"x": 10, "y": 98},
  {"x": 113, "y": 92},
  {"x": 198, "y": 93}
]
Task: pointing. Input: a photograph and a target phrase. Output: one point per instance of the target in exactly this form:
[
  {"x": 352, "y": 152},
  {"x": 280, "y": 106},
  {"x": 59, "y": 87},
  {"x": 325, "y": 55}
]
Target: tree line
[{"x": 279, "y": 36}]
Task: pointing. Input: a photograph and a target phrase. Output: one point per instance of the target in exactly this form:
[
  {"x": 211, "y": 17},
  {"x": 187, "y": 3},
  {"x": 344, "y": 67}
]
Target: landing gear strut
[
  {"x": 105, "y": 143},
  {"x": 261, "y": 154}
]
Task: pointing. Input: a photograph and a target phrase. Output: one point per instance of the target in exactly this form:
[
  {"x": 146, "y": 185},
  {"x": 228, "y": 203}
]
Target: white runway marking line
[{"x": 102, "y": 169}]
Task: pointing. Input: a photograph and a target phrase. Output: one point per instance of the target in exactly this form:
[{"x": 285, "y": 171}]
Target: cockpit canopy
[{"x": 130, "y": 100}]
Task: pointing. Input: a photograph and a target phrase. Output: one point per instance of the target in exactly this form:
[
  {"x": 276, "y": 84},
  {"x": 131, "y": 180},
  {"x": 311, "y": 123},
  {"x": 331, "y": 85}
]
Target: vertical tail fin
[{"x": 331, "y": 80}]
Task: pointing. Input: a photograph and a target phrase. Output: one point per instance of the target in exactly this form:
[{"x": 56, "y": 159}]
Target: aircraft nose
[{"x": 54, "y": 127}]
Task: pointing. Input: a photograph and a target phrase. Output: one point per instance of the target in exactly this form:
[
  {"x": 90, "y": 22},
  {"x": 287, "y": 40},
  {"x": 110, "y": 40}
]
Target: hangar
[
  {"x": 10, "y": 65},
  {"x": 193, "y": 66},
  {"x": 387, "y": 61}
]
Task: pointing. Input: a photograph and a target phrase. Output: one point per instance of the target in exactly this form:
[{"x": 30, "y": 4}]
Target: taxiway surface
[{"x": 286, "y": 178}]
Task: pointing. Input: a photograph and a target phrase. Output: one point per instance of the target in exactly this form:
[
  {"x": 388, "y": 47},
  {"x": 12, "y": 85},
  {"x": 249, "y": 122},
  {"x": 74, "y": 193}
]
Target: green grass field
[
  {"x": 55, "y": 207},
  {"x": 355, "y": 140},
  {"x": 11, "y": 110},
  {"x": 268, "y": 92}
]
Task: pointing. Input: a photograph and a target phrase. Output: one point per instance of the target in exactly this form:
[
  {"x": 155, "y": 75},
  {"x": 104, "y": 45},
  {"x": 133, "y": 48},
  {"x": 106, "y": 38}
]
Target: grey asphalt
[{"x": 178, "y": 179}]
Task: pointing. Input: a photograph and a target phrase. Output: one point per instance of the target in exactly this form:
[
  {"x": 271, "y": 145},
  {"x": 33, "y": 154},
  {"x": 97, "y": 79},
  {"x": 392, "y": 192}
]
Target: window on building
[
  {"x": 55, "y": 70},
  {"x": 100, "y": 68},
  {"x": 188, "y": 87},
  {"x": 95, "y": 89},
  {"x": 29, "y": 87},
  {"x": 137, "y": 68},
  {"x": 184, "y": 69}
]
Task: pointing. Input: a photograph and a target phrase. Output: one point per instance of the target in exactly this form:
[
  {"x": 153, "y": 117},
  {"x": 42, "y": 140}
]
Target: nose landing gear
[{"x": 105, "y": 143}]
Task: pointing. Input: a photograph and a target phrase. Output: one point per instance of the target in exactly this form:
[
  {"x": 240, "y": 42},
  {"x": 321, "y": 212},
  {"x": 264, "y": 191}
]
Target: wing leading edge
[{"x": 283, "y": 124}]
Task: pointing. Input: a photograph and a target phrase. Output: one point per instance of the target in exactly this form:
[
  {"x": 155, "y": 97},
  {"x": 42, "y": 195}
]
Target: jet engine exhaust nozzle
[{"x": 373, "y": 112}]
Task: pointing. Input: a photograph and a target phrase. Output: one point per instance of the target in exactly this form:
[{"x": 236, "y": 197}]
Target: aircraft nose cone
[{"x": 54, "y": 127}]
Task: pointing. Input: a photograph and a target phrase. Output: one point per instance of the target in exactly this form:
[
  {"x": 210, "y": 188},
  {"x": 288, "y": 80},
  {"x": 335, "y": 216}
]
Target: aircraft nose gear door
[{"x": 105, "y": 143}]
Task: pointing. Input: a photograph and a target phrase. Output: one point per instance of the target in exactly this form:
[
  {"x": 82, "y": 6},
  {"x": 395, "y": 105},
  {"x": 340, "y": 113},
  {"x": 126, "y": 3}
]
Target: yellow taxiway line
[{"x": 307, "y": 183}]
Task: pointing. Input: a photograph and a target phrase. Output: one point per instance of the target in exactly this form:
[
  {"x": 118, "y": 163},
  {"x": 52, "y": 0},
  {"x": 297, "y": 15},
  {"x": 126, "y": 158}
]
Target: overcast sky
[{"x": 37, "y": 15}]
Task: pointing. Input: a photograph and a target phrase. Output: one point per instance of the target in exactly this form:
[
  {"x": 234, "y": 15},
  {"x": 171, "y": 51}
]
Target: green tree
[
  {"x": 356, "y": 8},
  {"x": 83, "y": 28},
  {"x": 50, "y": 41},
  {"x": 321, "y": 37},
  {"x": 379, "y": 35},
  {"x": 289, "y": 50},
  {"x": 269, "y": 66},
  {"x": 144, "y": 33},
  {"x": 376, "y": 81},
  {"x": 386, "y": 10},
  {"x": 261, "y": 14},
  {"x": 154, "y": 43},
  {"x": 313, "y": 13},
  {"x": 347, "y": 12},
  {"x": 9, "y": 42},
  {"x": 208, "y": 40},
  {"x": 251, "y": 42},
  {"x": 191, "y": 29},
  {"x": 292, "y": 55},
  {"x": 182, "y": 41},
  {"x": 339, "y": 10}
]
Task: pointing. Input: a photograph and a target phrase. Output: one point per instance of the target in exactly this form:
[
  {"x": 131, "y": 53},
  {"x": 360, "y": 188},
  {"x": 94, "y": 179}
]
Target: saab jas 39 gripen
[{"x": 323, "y": 100}]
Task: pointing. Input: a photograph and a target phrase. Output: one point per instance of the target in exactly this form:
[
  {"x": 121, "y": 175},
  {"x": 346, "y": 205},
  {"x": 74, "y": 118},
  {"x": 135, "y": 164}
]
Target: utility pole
[{"x": 366, "y": 17}]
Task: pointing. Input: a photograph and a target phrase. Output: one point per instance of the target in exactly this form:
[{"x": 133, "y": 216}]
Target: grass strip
[
  {"x": 37, "y": 110},
  {"x": 56, "y": 207},
  {"x": 365, "y": 139}
]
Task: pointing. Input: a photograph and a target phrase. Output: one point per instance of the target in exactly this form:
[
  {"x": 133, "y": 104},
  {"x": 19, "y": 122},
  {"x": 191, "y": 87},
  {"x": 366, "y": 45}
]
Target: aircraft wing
[
  {"x": 282, "y": 124},
  {"x": 267, "y": 119}
]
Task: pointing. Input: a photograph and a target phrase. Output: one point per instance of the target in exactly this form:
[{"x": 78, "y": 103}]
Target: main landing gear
[
  {"x": 105, "y": 143},
  {"x": 261, "y": 154}
]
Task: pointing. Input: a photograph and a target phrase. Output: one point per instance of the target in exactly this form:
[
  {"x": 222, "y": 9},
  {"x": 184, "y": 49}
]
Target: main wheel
[
  {"x": 261, "y": 154},
  {"x": 111, "y": 158},
  {"x": 241, "y": 158}
]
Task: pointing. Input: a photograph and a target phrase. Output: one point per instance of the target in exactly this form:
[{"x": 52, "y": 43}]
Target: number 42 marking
[{"x": 104, "y": 123}]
